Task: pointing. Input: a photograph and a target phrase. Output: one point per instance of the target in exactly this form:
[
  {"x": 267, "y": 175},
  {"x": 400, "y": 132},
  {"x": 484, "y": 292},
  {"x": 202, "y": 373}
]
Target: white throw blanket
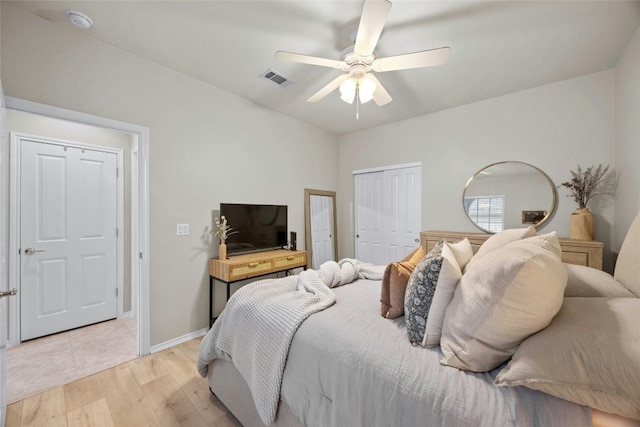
[{"x": 256, "y": 328}]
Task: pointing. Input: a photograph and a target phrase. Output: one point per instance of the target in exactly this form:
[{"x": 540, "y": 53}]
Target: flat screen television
[{"x": 259, "y": 227}]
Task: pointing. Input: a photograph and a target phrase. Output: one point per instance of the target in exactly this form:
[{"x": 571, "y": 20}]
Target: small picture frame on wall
[{"x": 533, "y": 217}]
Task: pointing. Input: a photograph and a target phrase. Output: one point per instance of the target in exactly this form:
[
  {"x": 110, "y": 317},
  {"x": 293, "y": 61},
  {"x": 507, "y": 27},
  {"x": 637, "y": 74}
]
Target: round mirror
[{"x": 507, "y": 195}]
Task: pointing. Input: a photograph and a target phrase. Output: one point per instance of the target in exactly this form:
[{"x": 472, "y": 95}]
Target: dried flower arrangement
[
  {"x": 224, "y": 229},
  {"x": 584, "y": 183}
]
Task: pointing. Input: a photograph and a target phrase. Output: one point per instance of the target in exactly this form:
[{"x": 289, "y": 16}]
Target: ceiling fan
[{"x": 358, "y": 61}]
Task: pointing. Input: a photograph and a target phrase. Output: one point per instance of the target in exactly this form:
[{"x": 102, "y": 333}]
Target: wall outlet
[{"x": 182, "y": 230}]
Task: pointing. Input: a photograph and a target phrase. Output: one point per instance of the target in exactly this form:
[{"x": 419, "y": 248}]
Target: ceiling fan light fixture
[
  {"x": 348, "y": 90},
  {"x": 366, "y": 87},
  {"x": 363, "y": 87}
]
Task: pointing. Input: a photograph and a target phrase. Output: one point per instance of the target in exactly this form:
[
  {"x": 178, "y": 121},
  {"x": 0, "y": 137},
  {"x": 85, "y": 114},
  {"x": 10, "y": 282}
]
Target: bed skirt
[{"x": 228, "y": 385}]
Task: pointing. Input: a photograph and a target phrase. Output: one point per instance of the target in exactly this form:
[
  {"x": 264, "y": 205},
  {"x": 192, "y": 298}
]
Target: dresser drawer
[
  {"x": 575, "y": 258},
  {"x": 290, "y": 261},
  {"x": 250, "y": 269}
]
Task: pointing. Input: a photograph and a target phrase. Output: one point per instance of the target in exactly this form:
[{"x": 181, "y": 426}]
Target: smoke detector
[{"x": 79, "y": 19}]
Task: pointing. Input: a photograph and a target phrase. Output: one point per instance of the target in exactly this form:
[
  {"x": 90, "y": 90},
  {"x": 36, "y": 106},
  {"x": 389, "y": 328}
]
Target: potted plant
[{"x": 582, "y": 187}]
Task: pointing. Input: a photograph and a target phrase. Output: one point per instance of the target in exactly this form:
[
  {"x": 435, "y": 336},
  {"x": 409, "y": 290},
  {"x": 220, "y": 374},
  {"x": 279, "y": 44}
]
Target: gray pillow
[
  {"x": 589, "y": 355},
  {"x": 585, "y": 281}
]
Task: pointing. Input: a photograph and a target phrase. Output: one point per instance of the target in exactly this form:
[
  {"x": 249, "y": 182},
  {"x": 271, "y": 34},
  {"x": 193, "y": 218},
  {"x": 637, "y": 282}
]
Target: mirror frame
[
  {"x": 308, "y": 192},
  {"x": 554, "y": 194}
]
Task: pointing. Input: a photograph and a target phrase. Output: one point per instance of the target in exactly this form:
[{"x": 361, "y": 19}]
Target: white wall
[
  {"x": 554, "y": 127},
  {"x": 207, "y": 146},
  {"x": 627, "y": 145}
]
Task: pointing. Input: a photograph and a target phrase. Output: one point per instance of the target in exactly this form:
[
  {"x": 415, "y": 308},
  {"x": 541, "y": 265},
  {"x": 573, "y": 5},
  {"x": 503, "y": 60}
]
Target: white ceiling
[{"x": 498, "y": 47}]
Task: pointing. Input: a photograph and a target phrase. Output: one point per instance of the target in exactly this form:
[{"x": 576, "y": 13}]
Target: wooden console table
[
  {"x": 241, "y": 267},
  {"x": 579, "y": 252}
]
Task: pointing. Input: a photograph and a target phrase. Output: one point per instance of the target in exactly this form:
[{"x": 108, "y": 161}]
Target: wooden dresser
[
  {"x": 246, "y": 266},
  {"x": 579, "y": 252}
]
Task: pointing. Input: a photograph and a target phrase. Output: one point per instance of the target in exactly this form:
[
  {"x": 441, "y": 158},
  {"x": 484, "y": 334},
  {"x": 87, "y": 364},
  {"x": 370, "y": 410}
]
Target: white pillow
[
  {"x": 501, "y": 239},
  {"x": 506, "y": 295},
  {"x": 462, "y": 250},
  {"x": 429, "y": 291},
  {"x": 448, "y": 280}
]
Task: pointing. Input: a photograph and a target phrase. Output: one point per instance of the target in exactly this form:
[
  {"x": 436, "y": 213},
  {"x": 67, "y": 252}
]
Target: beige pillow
[
  {"x": 503, "y": 297},
  {"x": 584, "y": 281},
  {"x": 394, "y": 283},
  {"x": 589, "y": 354},
  {"x": 462, "y": 250}
]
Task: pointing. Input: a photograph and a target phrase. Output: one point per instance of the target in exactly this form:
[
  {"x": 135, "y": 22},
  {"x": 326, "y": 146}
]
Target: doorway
[
  {"x": 388, "y": 206},
  {"x": 137, "y": 243},
  {"x": 139, "y": 220}
]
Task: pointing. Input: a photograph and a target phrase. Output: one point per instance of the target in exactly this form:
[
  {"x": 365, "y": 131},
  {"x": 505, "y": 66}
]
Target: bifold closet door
[{"x": 388, "y": 208}]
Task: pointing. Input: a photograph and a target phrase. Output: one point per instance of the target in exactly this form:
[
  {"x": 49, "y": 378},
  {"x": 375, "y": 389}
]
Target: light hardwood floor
[{"x": 160, "y": 389}]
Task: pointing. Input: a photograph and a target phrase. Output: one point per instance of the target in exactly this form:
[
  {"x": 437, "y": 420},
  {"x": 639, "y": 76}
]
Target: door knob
[
  {"x": 8, "y": 293},
  {"x": 357, "y": 236},
  {"x": 417, "y": 240},
  {"x": 31, "y": 251}
]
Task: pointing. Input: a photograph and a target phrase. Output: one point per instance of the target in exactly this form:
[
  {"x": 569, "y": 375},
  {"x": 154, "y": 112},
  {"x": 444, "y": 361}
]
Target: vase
[
  {"x": 581, "y": 225},
  {"x": 222, "y": 252}
]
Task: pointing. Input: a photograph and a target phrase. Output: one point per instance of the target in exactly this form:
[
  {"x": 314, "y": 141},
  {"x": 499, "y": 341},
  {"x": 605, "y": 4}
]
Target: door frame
[
  {"x": 140, "y": 181},
  {"x": 15, "y": 218}
]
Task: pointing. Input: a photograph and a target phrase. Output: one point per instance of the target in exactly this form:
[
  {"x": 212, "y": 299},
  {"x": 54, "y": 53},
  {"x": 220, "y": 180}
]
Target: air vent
[{"x": 276, "y": 78}]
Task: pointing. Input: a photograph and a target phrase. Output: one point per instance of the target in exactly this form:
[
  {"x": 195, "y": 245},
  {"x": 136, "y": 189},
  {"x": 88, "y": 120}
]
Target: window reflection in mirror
[
  {"x": 320, "y": 227},
  {"x": 509, "y": 195}
]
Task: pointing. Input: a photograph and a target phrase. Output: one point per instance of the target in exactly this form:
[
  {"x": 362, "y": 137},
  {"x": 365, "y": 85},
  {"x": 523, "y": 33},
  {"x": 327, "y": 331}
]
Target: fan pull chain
[{"x": 358, "y": 100}]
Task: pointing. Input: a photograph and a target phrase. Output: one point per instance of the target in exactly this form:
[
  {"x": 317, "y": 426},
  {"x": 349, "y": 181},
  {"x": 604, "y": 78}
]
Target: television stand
[{"x": 246, "y": 266}]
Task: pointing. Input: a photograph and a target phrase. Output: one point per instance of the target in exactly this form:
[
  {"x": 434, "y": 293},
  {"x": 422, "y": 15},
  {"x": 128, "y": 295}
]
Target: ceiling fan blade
[
  {"x": 307, "y": 59},
  {"x": 380, "y": 95},
  {"x": 333, "y": 85},
  {"x": 374, "y": 15},
  {"x": 425, "y": 58}
]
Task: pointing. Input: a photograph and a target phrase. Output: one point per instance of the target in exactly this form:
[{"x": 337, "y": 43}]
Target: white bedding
[
  {"x": 258, "y": 323},
  {"x": 348, "y": 366}
]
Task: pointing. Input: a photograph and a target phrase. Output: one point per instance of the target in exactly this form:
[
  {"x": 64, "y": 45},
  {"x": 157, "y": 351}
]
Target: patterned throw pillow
[{"x": 438, "y": 268}]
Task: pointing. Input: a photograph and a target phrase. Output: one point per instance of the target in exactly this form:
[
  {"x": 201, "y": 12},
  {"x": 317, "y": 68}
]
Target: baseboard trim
[{"x": 178, "y": 340}]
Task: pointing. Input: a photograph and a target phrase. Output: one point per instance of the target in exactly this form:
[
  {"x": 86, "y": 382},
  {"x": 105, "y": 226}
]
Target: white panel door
[
  {"x": 321, "y": 208},
  {"x": 67, "y": 237},
  {"x": 388, "y": 208},
  {"x": 404, "y": 211},
  {"x": 369, "y": 217}
]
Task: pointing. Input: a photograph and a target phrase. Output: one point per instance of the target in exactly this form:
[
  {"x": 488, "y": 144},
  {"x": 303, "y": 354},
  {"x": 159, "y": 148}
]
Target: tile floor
[{"x": 46, "y": 362}]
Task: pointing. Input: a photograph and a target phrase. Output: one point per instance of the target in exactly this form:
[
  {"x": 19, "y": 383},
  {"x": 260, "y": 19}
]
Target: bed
[{"x": 346, "y": 365}]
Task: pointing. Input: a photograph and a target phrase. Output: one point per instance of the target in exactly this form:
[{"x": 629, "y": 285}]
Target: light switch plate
[{"x": 182, "y": 230}]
